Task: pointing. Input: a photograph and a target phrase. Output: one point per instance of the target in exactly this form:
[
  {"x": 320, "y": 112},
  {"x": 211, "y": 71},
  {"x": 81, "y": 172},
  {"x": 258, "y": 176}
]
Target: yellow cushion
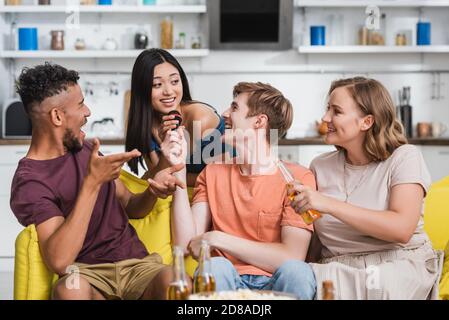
[
  {"x": 436, "y": 213},
  {"x": 32, "y": 279},
  {"x": 444, "y": 282},
  {"x": 154, "y": 230}
]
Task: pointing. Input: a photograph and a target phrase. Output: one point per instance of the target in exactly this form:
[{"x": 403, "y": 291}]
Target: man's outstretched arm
[
  {"x": 162, "y": 185},
  {"x": 187, "y": 222}
]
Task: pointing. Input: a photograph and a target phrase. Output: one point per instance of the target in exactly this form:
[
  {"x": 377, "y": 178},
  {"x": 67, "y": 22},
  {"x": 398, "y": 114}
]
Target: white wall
[{"x": 304, "y": 78}]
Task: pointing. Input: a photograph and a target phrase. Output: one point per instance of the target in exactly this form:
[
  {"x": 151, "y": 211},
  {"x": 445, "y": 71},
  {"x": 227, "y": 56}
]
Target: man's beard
[{"x": 71, "y": 143}]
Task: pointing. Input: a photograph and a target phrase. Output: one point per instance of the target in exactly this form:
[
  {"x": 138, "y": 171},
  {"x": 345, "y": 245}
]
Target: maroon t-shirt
[{"x": 42, "y": 189}]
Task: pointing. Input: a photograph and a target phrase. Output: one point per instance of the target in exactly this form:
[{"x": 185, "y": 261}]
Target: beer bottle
[
  {"x": 328, "y": 290},
  {"x": 308, "y": 216},
  {"x": 178, "y": 289},
  {"x": 204, "y": 280}
]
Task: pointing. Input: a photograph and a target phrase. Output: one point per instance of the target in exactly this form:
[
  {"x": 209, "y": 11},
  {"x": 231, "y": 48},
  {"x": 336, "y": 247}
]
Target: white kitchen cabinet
[
  {"x": 289, "y": 153},
  {"x": 437, "y": 160},
  {"x": 9, "y": 226},
  {"x": 302, "y": 154},
  {"x": 111, "y": 149}
]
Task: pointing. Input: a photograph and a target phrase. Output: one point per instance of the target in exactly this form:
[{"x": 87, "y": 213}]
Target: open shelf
[
  {"x": 180, "y": 53},
  {"x": 104, "y": 9},
  {"x": 365, "y": 3},
  {"x": 374, "y": 49}
]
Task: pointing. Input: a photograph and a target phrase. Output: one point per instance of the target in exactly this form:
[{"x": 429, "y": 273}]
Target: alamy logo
[
  {"x": 372, "y": 21},
  {"x": 72, "y": 22},
  {"x": 73, "y": 280},
  {"x": 372, "y": 278}
]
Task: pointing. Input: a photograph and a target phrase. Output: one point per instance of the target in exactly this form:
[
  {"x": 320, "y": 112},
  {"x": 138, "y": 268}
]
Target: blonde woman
[{"x": 370, "y": 240}]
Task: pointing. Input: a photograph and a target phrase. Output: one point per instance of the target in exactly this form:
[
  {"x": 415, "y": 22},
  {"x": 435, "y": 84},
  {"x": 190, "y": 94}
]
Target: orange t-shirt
[{"x": 251, "y": 207}]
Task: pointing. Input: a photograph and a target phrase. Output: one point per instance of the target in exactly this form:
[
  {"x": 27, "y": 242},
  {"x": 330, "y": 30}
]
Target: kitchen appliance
[
  {"x": 250, "y": 24},
  {"x": 140, "y": 40},
  {"x": 15, "y": 122}
]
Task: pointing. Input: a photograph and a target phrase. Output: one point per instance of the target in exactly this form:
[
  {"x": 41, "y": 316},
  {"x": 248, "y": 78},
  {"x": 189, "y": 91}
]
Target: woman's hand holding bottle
[{"x": 308, "y": 202}]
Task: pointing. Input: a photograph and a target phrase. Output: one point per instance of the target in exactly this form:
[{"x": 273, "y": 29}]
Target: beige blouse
[{"x": 368, "y": 187}]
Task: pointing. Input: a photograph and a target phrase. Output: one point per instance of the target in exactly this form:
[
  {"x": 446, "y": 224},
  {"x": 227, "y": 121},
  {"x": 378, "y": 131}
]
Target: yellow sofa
[
  {"x": 436, "y": 224},
  {"x": 32, "y": 279}
]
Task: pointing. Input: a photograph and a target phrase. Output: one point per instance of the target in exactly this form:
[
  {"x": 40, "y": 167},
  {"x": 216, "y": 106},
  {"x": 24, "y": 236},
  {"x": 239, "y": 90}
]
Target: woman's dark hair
[
  {"x": 140, "y": 116},
  {"x": 43, "y": 81}
]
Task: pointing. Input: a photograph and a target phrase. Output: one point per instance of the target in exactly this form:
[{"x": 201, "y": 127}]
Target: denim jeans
[{"x": 293, "y": 276}]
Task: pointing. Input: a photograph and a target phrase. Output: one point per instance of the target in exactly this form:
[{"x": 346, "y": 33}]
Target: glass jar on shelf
[
  {"x": 401, "y": 39},
  {"x": 181, "y": 41},
  {"x": 196, "y": 42},
  {"x": 378, "y": 37},
  {"x": 80, "y": 44},
  {"x": 167, "y": 33},
  {"x": 13, "y": 2},
  {"x": 88, "y": 2},
  {"x": 110, "y": 44},
  {"x": 57, "y": 40},
  {"x": 13, "y": 36}
]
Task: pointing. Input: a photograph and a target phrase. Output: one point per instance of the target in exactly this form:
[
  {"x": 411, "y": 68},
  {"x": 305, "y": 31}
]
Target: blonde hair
[
  {"x": 265, "y": 99},
  {"x": 387, "y": 133}
]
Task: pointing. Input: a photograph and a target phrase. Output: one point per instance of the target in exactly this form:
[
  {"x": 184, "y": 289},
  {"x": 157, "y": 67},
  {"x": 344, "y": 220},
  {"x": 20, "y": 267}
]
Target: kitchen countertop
[{"x": 282, "y": 142}]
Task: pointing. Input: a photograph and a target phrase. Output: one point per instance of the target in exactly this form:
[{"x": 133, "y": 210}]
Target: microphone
[{"x": 177, "y": 118}]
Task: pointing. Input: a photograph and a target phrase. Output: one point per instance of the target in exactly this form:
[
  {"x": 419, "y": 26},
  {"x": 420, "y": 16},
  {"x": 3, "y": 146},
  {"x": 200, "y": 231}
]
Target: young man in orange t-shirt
[{"x": 241, "y": 209}]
